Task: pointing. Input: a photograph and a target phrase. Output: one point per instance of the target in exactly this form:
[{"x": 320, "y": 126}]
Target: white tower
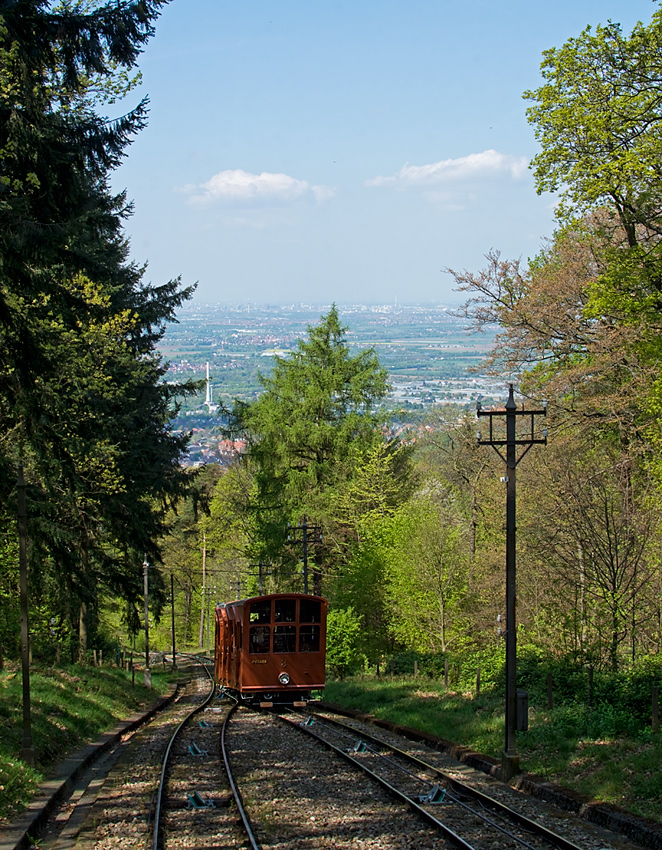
[{"x": 209, "y": 403}]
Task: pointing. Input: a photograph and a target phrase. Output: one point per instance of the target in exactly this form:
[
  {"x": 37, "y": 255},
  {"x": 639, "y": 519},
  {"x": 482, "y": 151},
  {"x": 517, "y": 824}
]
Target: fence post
[
  {"x": 446, "y": 673},
  {"x": 478, "y": 682},
  {"x": 415, "y": 668}
]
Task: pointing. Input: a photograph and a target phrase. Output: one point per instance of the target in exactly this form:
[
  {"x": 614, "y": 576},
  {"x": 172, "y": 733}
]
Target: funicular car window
[
  {"x": 285, "y": 638},
  {"x": 309, "y": 638},
  {"x": 311, "y": 611},
  {"x": 258, "y": 639},
  {"x": 260, "y": 611},
  {"x": 285, "y": 611}
]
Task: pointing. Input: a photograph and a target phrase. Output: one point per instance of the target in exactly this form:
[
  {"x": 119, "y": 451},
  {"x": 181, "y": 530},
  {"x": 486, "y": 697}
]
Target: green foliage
[
  {"x": 427, "y": 571},
  {"x": 614, "y": 698},
  {"x": 362, "y": 586},
  {"x": 343, "y": 630},
  {"x": 9, "y": 588},
  {"x": 597, "y": 118},
  {"x": 405, "y": 663}
]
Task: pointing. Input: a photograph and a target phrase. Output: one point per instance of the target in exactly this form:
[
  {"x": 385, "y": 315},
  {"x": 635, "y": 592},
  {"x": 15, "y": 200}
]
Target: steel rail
[
  {"x": 484, "y": 799},
  {"x": 235, "y": 791},
  {"x": 448, "y": 833},
  {"x": 166, "y": 755}
]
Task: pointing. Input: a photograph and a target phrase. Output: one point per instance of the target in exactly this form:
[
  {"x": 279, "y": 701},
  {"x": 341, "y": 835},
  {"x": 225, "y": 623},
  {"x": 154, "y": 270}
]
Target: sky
[{"x": 345, "y": 150}]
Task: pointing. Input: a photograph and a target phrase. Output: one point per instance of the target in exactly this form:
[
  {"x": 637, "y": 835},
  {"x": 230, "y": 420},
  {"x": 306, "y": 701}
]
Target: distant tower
[{"x": 209, "y": 403}]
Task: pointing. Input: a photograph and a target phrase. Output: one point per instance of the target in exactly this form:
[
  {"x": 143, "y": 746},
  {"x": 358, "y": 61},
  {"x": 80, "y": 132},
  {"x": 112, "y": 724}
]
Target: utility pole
[
  {"x": 310, "y": 534},
  {"x": 510, "y": 759},
  {"x": 148, "y": 672},
  {"x": 27, "y": 750},
  {"x": 172, "y": 617},
  {"x": 202, "y": 592},
  {"x": 209, "y": 593},
  {"x": 260, "y": 575}
]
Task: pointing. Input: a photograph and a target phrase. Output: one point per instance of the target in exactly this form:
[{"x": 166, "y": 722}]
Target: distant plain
[{"x": 428, "y": 351}]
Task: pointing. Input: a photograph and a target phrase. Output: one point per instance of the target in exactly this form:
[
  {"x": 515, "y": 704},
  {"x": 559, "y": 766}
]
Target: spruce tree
[{"x": 82, "y": 396}]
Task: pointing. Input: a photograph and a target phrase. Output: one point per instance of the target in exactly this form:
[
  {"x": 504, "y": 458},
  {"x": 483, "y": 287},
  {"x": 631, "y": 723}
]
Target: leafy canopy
[{"x": 598, "y": 118}]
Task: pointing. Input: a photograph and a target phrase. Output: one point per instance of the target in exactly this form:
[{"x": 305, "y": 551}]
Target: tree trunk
[
  {"x": 615, "y": 621},
  {"x": 187, "y": 614},
  {"x": 474, "y": 523},
  {"x": 582, "y": 601},
  {"x": 82, "y": 633}
]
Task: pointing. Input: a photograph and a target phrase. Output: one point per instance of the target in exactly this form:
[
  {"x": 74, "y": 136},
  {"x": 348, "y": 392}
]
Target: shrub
[{"x": 343, "y": 634}]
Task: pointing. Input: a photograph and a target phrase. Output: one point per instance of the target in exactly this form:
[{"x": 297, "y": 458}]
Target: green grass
[
  {"x": 595, "y": 751},
  {"x": 69, "y": 707}
]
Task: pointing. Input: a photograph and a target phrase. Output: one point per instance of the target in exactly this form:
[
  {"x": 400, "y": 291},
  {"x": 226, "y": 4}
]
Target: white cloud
[
  {"x": 237, "y": 185},
  {"x": 476, "y": 166}
]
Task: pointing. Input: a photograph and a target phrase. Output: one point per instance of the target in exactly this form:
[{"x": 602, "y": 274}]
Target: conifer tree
[
  {"x": 82, "y": 396},
  {"x": 309, "y": 434}
]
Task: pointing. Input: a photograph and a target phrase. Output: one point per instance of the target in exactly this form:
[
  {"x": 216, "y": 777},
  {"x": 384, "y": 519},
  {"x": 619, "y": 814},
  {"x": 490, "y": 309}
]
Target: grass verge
[
  {"x": 69, "y": 707},
  {"x": 592, "y": 750}
]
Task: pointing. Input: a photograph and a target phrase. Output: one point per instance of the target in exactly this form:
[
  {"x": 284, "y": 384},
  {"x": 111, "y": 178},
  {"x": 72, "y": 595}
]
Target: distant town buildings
[{"x": 205, "y": 448}]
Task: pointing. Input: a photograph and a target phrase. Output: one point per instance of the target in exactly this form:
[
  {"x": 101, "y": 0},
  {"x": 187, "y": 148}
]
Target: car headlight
[{"x": 284, "y": 679}]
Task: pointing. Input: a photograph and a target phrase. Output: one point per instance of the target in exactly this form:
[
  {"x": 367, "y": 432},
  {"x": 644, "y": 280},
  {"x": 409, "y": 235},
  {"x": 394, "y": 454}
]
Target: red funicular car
[{"x": 271, "y": 648}]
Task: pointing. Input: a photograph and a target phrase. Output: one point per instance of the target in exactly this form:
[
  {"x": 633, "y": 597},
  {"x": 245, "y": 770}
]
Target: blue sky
[{"x": 346, "y": 150}]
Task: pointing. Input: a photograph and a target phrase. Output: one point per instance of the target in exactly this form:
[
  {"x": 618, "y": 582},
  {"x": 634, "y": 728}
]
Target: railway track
[
  {"x": 171, "y": 758},
  {"x": 154, "y": 788},
  {"x": 468, "y": 817},
  {"x": 300, "y": 795},
  {"x": 283, "y": 789}
]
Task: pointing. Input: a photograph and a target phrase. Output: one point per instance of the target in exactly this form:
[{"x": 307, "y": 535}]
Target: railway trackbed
[
  {"x": 299, "y": 795},
  {"x": 130, "y": 799},
  {"x": 167, "y": 788},
  {"x": 470, "y": 809}
]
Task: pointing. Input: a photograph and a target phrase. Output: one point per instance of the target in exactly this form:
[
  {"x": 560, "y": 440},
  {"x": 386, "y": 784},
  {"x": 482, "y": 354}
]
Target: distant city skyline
[{"x": 346, "y": 152}]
